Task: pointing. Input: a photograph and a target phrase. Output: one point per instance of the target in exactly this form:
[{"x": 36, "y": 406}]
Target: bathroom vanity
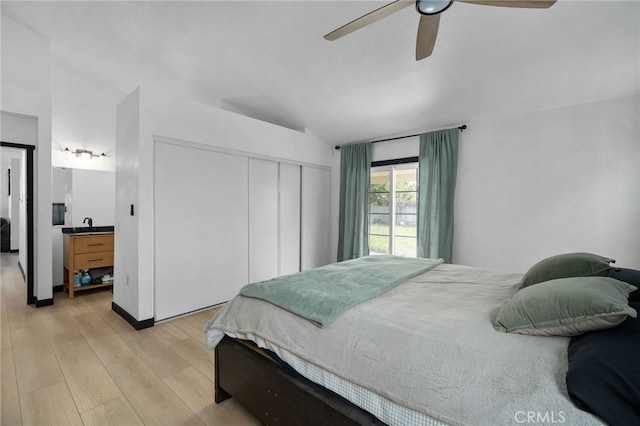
[{"x": 85, "y": 250}]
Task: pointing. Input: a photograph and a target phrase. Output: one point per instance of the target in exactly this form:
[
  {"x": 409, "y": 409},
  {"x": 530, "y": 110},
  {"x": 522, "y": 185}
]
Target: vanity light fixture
[{"x": 83, "y": 153}]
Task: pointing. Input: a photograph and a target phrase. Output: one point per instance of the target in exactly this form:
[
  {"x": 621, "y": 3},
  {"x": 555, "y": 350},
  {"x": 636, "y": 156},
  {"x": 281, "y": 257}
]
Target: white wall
[
  {"x": 550, "y": 182},
  {"x": 18, "y": 127},
  {"x": 543, "y": 183},
  {"x": 22, "y": 129},
  {"x": 18, "y": 208},
  {"x": 187, "y": 121},
  {"x": 25, "y": 83},
  {"x": 6, "y": 156},
  {"x": 60, "y": 193},
  {"x": 25, "y": 57},
  {"x": 125, "y": 264},
  {"x": 84, "y": 116},
  {"x": 4, "y": 192}
]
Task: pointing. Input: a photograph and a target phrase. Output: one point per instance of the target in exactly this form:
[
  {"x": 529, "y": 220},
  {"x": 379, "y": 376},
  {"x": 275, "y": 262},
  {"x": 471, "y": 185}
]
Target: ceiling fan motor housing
[{"x": 432, "y": 7}]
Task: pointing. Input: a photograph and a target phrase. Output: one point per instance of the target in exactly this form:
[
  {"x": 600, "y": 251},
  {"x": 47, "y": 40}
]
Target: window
[{"x": 393, "y": 207}]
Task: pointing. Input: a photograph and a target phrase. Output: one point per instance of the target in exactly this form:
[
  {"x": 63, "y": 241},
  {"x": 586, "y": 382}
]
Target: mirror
[{"x": 85, "y": 193}]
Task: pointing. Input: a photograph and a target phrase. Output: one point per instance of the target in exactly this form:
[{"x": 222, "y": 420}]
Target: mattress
[{"x": 422, "y": 353}]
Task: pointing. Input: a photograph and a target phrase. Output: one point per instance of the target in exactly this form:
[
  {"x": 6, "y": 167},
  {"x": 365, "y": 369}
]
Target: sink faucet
[{"x": 89, "y": 220}]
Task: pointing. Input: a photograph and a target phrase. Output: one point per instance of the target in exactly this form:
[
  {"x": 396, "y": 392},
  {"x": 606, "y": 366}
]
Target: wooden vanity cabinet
[{"x": 85, "y": 252}]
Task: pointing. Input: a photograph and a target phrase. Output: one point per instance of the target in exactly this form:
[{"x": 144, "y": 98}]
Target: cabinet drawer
[
  {"x": 93, "y": 244},
  {"x": 93, "y": 260}
]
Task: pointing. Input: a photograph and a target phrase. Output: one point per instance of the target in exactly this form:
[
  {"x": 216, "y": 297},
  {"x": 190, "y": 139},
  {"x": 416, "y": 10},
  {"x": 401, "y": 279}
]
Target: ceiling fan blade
[
  {"x": 427, "y": 34},
  {"x": 369, "y": 18},
  {"x": 532, "y": 4}
]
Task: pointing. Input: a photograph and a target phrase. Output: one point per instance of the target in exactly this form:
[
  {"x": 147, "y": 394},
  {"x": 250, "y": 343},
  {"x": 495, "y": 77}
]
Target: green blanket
[{"x": 321, "y": 294}]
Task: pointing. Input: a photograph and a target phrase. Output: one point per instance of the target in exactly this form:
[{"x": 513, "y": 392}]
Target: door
[
  {"x": 289, "y": 219},
  {"x": 263, "y": 219},
  {"x": 315, "y": 238},
  {"x": 201, "y": 215}
]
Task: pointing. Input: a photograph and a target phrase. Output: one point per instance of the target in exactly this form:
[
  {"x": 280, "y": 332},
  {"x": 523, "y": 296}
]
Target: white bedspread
[{"x": 428, "y": 345}]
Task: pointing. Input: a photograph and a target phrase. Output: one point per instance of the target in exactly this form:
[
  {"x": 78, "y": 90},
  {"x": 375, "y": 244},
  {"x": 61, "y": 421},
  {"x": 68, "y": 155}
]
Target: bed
[{"x": 423, "y": 352}]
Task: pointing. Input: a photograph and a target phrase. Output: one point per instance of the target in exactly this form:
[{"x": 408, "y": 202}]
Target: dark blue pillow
[
  {"x": 603, "y": 377},
  {"x": 630, "y": 276}
]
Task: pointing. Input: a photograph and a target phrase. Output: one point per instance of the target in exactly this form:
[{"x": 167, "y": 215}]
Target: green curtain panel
[
  {"x": 438, "y": 165},
  {"x": 355, "y": 170}
]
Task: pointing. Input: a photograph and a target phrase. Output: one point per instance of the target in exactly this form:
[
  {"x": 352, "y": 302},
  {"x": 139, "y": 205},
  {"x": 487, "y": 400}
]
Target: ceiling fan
[{"x": 429, "y": 18}]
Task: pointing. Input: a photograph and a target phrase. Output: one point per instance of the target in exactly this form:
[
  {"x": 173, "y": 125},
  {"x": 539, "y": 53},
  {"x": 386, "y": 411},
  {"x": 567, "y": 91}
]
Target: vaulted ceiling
[{"x": 268, "y": 59}]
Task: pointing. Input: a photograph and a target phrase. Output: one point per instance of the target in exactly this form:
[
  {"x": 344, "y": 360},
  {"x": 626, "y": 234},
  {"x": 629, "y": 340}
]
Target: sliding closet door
[
  {"x": 315, "y": 242},
  {"x": 289, "y": 218},
  {"x": 263, "y": 220},
  {"x": 274, "y": 219},
  {"x": 201, "y": 214}
]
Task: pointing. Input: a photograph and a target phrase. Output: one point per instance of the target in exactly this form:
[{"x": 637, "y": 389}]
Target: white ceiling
[{"x": 268, "y": 59}]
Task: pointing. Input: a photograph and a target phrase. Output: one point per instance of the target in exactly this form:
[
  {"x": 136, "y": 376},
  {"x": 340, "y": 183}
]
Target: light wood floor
[{"x": 78, "y": 362}]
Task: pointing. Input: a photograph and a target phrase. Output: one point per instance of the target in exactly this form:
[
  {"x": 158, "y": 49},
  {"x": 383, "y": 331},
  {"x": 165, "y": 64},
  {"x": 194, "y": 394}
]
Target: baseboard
[
  {"x": 138, "y": 325},
  {"x": 45, "y": 302},
  {"x": 14, "y": 251},
  {"x": 58, "y": 288},
  {"x": 24, "y": 276}
]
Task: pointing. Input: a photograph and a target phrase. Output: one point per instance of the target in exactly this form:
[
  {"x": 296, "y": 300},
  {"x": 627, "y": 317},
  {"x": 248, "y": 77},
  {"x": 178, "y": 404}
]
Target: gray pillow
[
  {"x": 566, "y": 307},
  {"x": 565, "y": 266}
]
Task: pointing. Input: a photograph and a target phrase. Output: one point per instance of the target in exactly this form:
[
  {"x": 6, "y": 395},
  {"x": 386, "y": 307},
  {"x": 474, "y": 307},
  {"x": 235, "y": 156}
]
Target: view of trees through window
[{"x": 393, "y": 206}]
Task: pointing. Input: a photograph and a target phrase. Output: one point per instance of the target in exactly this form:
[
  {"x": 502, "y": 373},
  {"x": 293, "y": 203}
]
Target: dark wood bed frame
[{"x": 277, "y": 395}]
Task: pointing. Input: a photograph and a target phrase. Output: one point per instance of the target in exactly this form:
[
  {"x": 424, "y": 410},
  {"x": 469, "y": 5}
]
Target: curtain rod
[{"x": 461, "y": 128}]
